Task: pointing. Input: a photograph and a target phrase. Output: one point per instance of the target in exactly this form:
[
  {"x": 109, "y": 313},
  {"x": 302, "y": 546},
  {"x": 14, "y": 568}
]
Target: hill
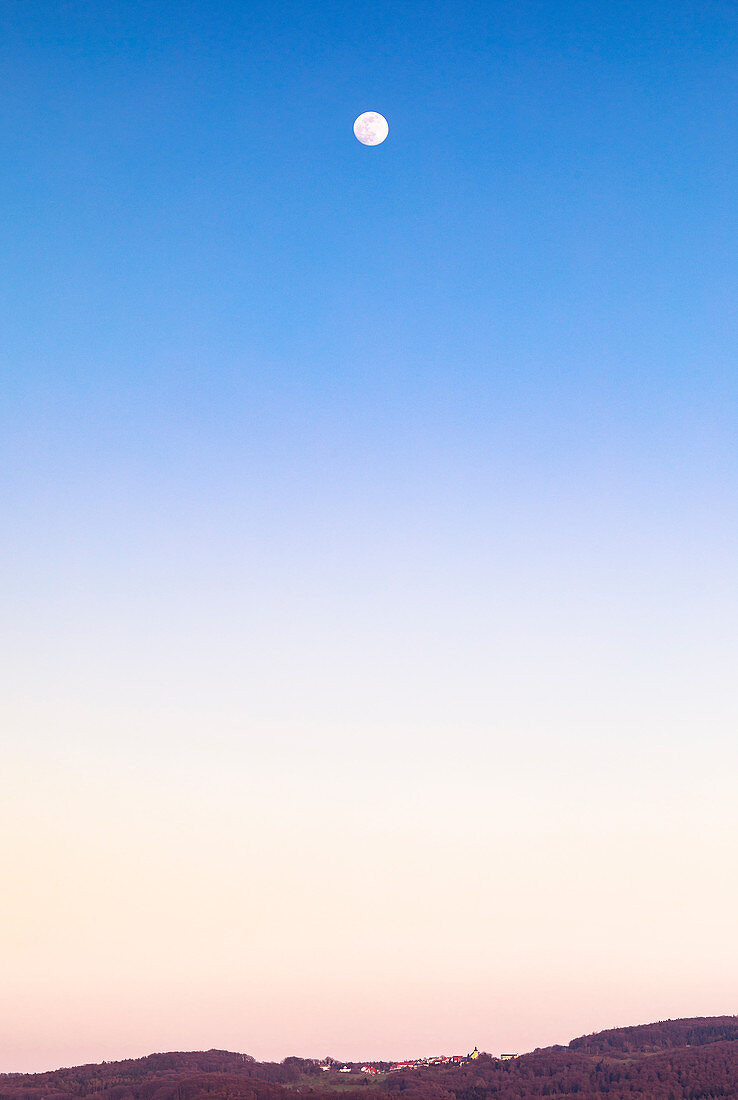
[
  {"x": 666, "y": 1035},
  {"x": 694, "y": 1059}
]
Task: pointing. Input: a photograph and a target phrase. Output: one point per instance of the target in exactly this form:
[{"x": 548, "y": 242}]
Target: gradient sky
[{"x": 369, "y": 524}]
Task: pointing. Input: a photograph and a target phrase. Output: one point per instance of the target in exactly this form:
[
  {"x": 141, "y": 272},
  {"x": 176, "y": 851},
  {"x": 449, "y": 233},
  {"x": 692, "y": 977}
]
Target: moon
[{"x": 371, "y": 128}]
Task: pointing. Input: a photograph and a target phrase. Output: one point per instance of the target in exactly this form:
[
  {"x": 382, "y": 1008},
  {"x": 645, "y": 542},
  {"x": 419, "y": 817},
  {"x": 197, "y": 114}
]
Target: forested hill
[
  {"x": 647, "y": 1038},
  {"x": 672, "y": 1060}
]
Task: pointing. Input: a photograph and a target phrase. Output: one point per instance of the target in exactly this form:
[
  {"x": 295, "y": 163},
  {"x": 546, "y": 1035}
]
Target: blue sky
[
  {"x": 330, "y": 467},
  {"x": 537, "y": 266},
  {"x": 551, "y": 223}
]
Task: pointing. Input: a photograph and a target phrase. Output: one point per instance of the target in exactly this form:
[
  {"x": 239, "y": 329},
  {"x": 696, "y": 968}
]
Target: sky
[{"x": 369, "y": 524}]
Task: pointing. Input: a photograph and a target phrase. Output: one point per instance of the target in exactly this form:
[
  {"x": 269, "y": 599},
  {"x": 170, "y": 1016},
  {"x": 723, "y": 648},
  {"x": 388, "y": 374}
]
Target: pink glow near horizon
[{"x": 187, "y": 906}]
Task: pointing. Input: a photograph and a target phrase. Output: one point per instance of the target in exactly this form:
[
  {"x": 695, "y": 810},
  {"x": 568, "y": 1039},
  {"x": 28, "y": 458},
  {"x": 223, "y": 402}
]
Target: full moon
[{"x": 371, "y": 128}]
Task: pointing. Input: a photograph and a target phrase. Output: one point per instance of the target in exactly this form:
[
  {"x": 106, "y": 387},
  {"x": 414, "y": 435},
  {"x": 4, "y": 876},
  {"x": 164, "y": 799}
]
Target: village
[{"x": 418, "y": 1063}]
